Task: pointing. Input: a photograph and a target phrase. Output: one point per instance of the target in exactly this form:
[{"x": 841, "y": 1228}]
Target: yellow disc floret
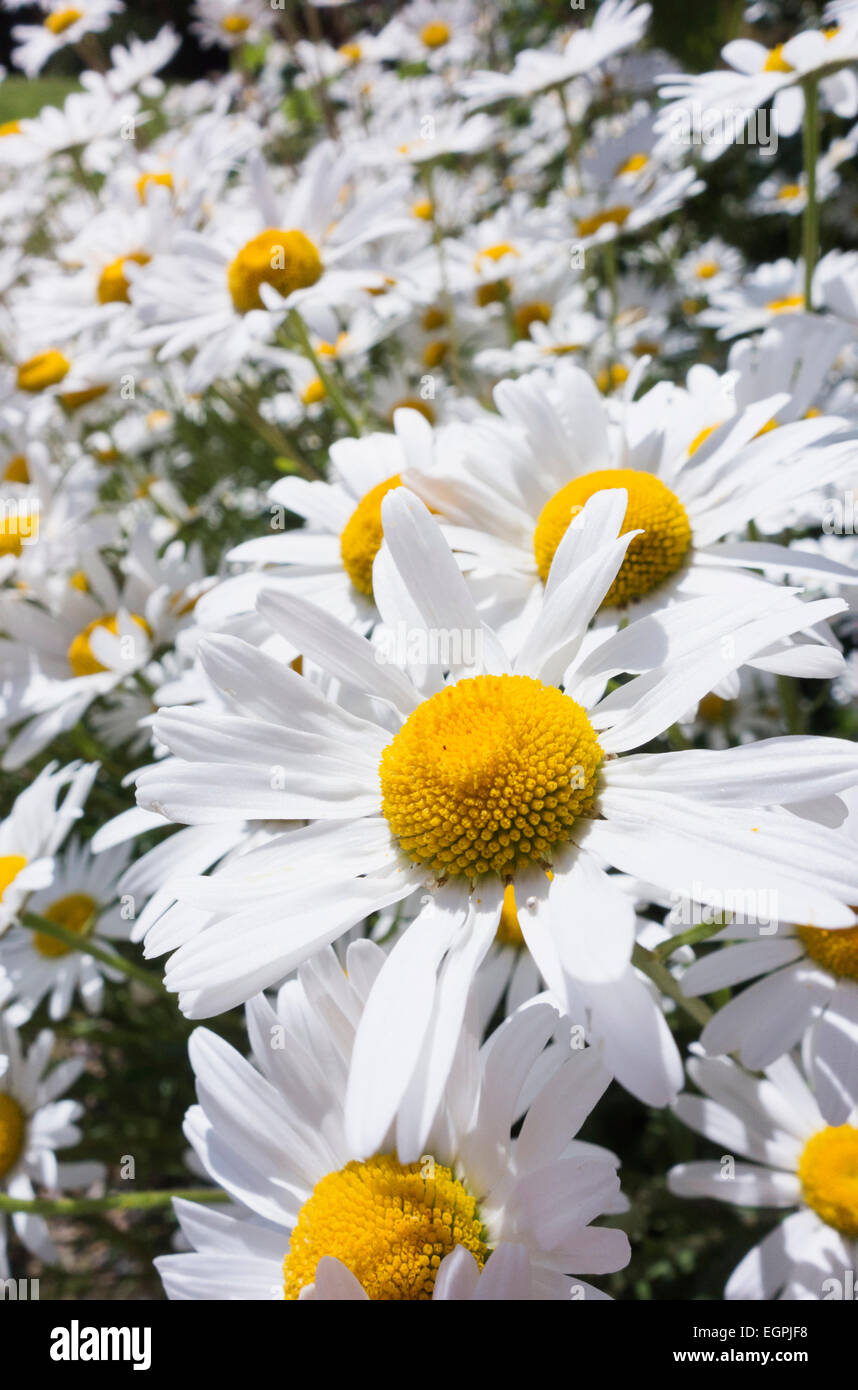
[
  {"x": 828, "y": 1170},
  {"x": 10, "y": 867},
  {"x": 390, "y": 1223},
  {"x": 113, "y": 283},
  {"x": 509, "y": 931},
  {"x": 60, "y": 20},
  {"x": 362, "y": 535},
  {"x": 44, "y": 370},
  {"x": 435, "y": 34},
  {"x": 235, "y": 24},
  {"x": 835, "y": 950},
  {"x": 652, "y": 508},
  {"x": 489, "y": 775},
  {"x": 80, "y": 654},
  {"x": 286, "y": 260},
  {"x": 76, "y": 912},
  {"x": 12, "y": 1126}
]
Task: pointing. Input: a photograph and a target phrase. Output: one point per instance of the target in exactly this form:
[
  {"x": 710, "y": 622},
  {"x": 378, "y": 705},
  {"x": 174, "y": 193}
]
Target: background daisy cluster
[{"x": 429, "y": 793}]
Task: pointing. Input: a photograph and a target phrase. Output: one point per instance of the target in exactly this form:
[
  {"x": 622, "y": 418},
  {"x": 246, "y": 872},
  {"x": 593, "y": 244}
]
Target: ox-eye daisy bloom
[
  {"x": 34, "y": 1123},
  {"x": 807, "y": 989},
  {"x": 83, "y": 898},
  {"x": 319, "y": 1217},
  {"x": 798, "y": 1162},
  {"x": 516, "y": 481},
  {"x": 35, "y": 828},
  {"x": 470, "y": 772},
  {"x": 66, "y": 22}
]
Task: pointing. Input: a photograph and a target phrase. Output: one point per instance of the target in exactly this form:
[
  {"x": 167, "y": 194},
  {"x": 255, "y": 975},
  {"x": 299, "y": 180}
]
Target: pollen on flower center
[
  {"x": 787, "y": 304},
  {"x": 588, "y": 226},
  {"x": 164, "y": 179},
  {"x": 391, "y": 1224},
  {"x": 80, "y": 654},
  {"x": 60, "y": 20},
  {"x": 828, "y": 1171},
  {"x": 362, "y": 535},
  {"x": 285, "y": 260},
  {"x": 489, "y": 775},
  {"x": 10, "y": 867},
  {"x": 235, "y": 24},
  {"x": 652, "y": 508},
  {"x": 44, "y": 370},
  {"x": 76, "y": 912},
  {"x": 835, "y": 950},
  {"x": 113, "y": 284},
  {"x": 12, "y": 1125},
  {"x": 775, "y": 60}
]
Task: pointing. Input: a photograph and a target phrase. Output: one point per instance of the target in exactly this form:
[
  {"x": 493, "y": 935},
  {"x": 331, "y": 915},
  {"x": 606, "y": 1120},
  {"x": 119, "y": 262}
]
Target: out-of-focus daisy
[
  {"x": 64, "y": 24},
  {"x": 34, "y": 830},
  {"x": 34, "y": 1123},
  {"x": 82, "y": 898},
  {"x": 798, "y": 1162},
  {"x": 313, "y": 1218},
  {"x": 230, "y": 23}
]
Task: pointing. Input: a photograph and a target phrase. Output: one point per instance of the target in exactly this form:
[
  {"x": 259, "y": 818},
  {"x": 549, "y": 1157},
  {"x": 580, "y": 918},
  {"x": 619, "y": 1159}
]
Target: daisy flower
[
  {"x": 313, "y": 1206},
  {"x": 83, "y": 898},
  {"x": 442, "y": 782},
  {"x": 807, "y": 989},
  {"x": 63, "y": 24},
  {"x": 693, "y": 481},
  {"x": 34, "y": 830},
  {"x": 34, "y": 1123},
  {"x": 798, "y": 1162},
  {"x": 230, "y": 23}
]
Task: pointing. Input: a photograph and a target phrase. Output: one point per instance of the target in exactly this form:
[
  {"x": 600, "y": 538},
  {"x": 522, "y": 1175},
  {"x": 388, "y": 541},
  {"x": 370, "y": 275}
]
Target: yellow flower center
[
  {"x": 494, "y": 253},
  {"x": 287, "y": 261},
  {"x": 10, "y": 867},
  {"x": 787, "y": 304},
  {"x": 60, "y": 20},
  {"x": 587, "y": 226},
  {"x": 162, "y": 180},
  {"x": 73, "y": 400},
  {"x": 835, "y": 950},
  {"x": 435, "y": 352},
  {"x": 391, "y": 1224},
  {"x": 422, "y": 210},
  {"x": 489, "y": 775},
  {"x": 10, "y": 128},
  {"x": 652, "y": 508},
  {"x": 235, "y": 24},
  {"x": 113, "y": 285},
  {"x": 362, "y": 535},
  {"x": 701, "y": 438},
  {"x": 775, "y": 60},
  {"x": 435, "y": 35},
  {"x": 80, "y": 655},
  {"x": 351, "y": 52},
  {"x": 608, "y": 378},
  {"x": 11, "y": 1133},
  {"x": 18, "y": 527},
  {"x": 314, "y": 392},
  {"x": 632, "y": 165},
  {"x": 538, "y": 311},
  {"x": 16, "y": 470},
  {"x": 707, "y": 269},
  {"x": 432, "y": 319},
  {"x": 789, "y": 191},
  {"x": 828, "y": 1170},
  {"x": 44, "y": 370},
  {"x": 76, "y": 912}
]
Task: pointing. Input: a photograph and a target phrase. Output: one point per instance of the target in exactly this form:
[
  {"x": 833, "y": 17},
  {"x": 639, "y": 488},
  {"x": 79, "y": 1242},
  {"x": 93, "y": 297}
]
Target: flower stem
[
  {"x": 115, "y": 1201},
  {"x": 653, "y": 968},
  {"x": 34, "y": 922},
  {"x": 810, "y": 227},
  {"x": 332, "y": 389}
]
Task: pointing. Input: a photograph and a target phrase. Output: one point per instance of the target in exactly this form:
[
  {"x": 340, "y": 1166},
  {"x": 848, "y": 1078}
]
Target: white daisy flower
[
  {"x": 34, "y": 1123},
  {"x": 421, "y": 784},
  {"x": 34, "y": 830},
  {"x": 798, "y": 1161},
  {"x": 63, "y": 24},
  {"x": 313, "y": 1218},
  {"x": 693, "y": 482},
  {"x": 230, "y": 23},
  {"x": 83, "y": 898}
]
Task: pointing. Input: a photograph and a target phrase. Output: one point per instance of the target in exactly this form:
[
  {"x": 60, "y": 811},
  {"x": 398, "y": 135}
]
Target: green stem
[
  {"x": 690, "y": 937},
  {"x": 810, "y": 228},
  {"x": 332, "y": 389},
  {"x": 273, "y": 436},
  {"x": 115, "y": 1201},
  {"x": 609, "y": 258},
  {"x": 89, "y": 947},
  {"x": 653, "y": 968},
  {"x": 790, "y": 705},
  {"x": 427, "y": 175}
]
